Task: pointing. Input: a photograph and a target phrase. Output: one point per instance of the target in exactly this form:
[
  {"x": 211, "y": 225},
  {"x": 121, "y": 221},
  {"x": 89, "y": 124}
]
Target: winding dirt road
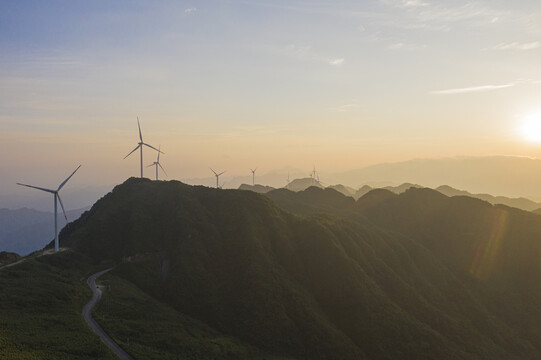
[{"x": 87, "y": 314}]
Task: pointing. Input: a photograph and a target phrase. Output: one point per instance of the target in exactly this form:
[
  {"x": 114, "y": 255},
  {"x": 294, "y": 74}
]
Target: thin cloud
[
  {"x": 190, "y": 10},
  {"x": 518, "y": 46},
  {"x": 336, "y": 62},
  {"x": 414, "y": 3},
  {"x": 482, "y": 88}
]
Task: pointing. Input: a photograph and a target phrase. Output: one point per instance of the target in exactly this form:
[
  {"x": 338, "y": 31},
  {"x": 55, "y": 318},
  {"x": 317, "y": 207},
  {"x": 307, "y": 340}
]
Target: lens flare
[{"x": 488, "y": 247}]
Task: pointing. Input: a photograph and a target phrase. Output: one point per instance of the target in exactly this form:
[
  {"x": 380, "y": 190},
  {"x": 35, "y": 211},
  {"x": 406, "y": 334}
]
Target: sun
[{"x": 531, "y": 128}]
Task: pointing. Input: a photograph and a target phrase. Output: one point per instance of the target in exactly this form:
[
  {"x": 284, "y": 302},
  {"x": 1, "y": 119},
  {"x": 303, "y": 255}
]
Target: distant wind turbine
[
  {"x": 287, "y": 186},
  {"x": 253, "y": 175},
  {"x": 157, "y": 163},
  {"x": 313, "y": 175},
  {"x": 56, "y": 196},
  {"x": 140, "y": 146},
  {"x": 217, "y": 178}
]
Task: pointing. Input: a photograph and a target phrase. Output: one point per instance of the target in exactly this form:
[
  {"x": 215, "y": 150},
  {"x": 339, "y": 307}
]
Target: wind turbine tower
[
  {"x": 157, "y": 163},
  {"x": 287, "y": 186},
  {"x": 56, "y": 196},
  {"x": 217, "y": 178},
  {"x": 313, "y": 175},
  {"x": 253, "y": 175},
  {"x": 140, "y": 147}
]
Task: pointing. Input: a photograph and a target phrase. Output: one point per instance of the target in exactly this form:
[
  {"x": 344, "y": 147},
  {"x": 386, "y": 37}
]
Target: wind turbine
[
  {"x": 253, "y": 175},
  {"x": 287, "y": 186},
  {"x": 157, "y": 163},
  {"x": 56, "y": 196},
  {"x": 217, "y": 178},
  {"x": 313, "y": 175},
  {"x": 140, "y": 146}
]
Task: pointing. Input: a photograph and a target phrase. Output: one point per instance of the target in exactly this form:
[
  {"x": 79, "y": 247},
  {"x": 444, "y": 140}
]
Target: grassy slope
[
  {"x": 149, "y": 329},
  {"x": 40, "y": 310}
]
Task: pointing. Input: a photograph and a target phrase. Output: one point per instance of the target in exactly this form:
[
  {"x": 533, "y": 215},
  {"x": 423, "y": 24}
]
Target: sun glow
[{"x": 531, "y": 128}]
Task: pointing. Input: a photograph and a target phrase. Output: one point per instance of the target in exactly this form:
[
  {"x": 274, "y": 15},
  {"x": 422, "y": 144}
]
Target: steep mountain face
[
  {"x": 372, "y": 279},
  {"x": 494, "y": 250}
]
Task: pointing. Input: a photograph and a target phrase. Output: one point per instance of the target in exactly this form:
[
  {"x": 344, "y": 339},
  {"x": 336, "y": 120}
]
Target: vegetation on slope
[
  {"x": 40, "y": 310},
  {"x": 150, "y": 329},
  {"x": 324, "y": 286}
]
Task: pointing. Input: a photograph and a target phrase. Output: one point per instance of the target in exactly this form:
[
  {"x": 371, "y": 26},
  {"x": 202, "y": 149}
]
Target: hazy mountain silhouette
[
  {"x": 416, "y": 275},
  {"x": 504, "y": 175},
  {"x": 303, "y": 184},
  {"x": 261, "y": 189},
  {"x": 346, "y": 190},
  {"x": 520, "y": 203},
  {"x": 26, "y": 230}
]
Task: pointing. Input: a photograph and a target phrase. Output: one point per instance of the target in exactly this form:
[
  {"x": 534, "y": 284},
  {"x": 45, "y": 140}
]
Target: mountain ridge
[{"x": 256, "y": 272}]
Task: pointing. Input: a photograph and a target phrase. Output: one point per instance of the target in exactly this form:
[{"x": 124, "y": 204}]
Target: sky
[{"x": 235, "y": 85}]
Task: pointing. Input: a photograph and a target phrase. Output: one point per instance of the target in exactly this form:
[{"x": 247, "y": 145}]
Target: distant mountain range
[
  {"x": 510, "y": 176},
  {"x": 506, "y": 175},
  {"x": 26, "y": 230},
  {"x": 303, "y": 184}
]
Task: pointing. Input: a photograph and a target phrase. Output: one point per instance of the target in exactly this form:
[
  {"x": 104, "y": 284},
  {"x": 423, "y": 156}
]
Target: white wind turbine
[
  {"x": 313, "y": 175},
  {"x": 217, "y": 178},
  {"x": 56, "y": 196},
  {"x": 157, "y": 163},
  {"x": 253, "y": 175},
  {"x": 140, "y": 146}
]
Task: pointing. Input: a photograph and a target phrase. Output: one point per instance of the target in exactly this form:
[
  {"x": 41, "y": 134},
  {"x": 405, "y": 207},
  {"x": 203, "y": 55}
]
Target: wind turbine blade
[
  {"x": 62, "y": 206},
  {"x": 131, "y": 152},
  {"x": 220, "y": 173},
  {"x": 214, "y": 172},
  {"x": 159, "y": 148},
  {"x": 152, "y": 147},
  {"x": 139, "y": 126},
  {"x": 151, "y": 164},
  {"x": 160, "y": 165},
  {"x": 35, "y": 187},
  {"x": 69, "y": 177}
]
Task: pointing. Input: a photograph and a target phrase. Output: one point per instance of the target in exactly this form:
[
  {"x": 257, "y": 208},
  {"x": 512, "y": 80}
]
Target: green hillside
[
  {"x": 40, "y": 310},
  {"x": 381, "y": 278}
]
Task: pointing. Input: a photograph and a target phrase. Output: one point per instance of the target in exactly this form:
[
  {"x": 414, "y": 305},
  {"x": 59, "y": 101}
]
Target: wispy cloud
[
  {"x": 190, "y": 10},
  {"x": 518, "y": 46},
  {"x": 440, "y": 16},
  {"x": 481, "y": 88},
  {"x": 336, "y": 62},
  {"x": 414, "y": 3}
]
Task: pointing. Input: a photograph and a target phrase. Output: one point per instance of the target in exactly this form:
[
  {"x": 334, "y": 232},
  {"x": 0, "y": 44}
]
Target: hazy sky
[{"x": 239, "y": 84}]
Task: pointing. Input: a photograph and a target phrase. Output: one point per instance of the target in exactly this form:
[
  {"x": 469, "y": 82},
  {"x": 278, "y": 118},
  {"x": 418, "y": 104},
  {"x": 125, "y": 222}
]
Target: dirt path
[{"x": 87, "y": 314}]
